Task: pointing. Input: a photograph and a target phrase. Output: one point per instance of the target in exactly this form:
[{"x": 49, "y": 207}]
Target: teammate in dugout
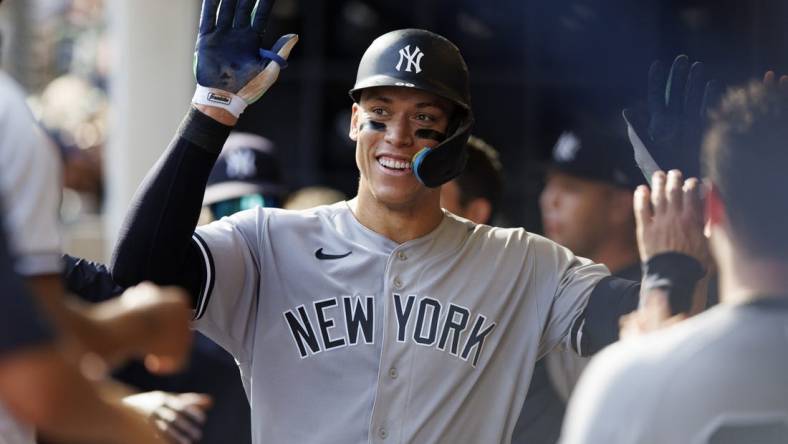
[
  {"x": 731, "y": 359},
  {"x": 382, "y": 318},
  {"x": 586, "y": 206}
]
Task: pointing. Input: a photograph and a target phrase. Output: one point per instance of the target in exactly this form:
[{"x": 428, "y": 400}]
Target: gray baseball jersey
[
  {"x": 30, "y": 185},
  {"x": 719, "y": 378},
  {"x": 344, "y": 336}
]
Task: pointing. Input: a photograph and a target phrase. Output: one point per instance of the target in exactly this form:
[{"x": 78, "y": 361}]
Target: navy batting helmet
[{"x": 415, "y": 58}]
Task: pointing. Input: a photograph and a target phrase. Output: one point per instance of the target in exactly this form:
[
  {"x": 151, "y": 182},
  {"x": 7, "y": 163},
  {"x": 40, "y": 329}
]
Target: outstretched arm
[
  {"x": 40, "y": 388},
  {"x": 675, "y": 254},
  {"x": 156, "y": 242}
]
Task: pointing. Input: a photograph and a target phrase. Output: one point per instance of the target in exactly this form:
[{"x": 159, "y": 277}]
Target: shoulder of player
[
  {"x": 13, "y": 95},
  {"x": 15, "y": 113},
  {"x": 8, "y": 84},
  {"x": 608, "y": 385},
  {"x": 613, "y": 398},
  {"x": 703, "y": 328},
  {"x": 318, "y": 215},
  {"x": 713, "y": 338},
  {"x": 652, "y": 379},
  {"x": 662, "y": 353},
  {"x": 484, "y": 232},
  {"x": 516, "y": 241}
]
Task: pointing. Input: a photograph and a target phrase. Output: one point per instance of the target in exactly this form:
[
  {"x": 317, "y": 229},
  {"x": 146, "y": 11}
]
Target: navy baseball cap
[
  {"x": 596, "y": 153},
  {"x": 247, "y": 166}
]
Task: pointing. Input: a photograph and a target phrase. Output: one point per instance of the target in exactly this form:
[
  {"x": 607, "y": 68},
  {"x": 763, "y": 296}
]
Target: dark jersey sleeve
[
  {"x": 598, "y": 327},
  {"x": 613, "y": 297},
  {"x": 155, "y": 241},
  {"x": 21, "y": 323}
]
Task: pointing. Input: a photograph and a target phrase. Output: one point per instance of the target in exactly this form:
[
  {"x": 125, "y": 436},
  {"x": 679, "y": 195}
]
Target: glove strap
[
  {"x": 235, "y": 105},
  {"x": 274, "y": 57}
]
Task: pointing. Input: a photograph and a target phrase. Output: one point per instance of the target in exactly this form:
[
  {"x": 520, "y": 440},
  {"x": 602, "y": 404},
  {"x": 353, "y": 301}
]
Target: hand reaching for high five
[
  {"x": 231, "y": 68},
  {"x": 669, "y": 217},
  {"x": 667, "y": 133}
]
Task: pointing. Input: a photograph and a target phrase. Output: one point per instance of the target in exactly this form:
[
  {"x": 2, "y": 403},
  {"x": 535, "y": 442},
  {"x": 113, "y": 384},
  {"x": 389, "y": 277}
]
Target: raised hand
[
  {"x": 231, "y": 68},
  {"x": 668, "y": 133},
  {"x": 669, "y": 217}
]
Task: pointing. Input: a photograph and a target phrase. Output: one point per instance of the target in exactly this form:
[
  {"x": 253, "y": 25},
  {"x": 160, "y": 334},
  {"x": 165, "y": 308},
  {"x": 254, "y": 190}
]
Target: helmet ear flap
[{"x": 436, "y": 166}]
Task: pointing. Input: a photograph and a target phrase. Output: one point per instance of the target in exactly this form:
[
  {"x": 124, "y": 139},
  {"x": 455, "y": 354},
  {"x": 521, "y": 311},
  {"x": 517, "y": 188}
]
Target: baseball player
[
  {"x": 382, "y": 318},
  {"x": 719, "y": 377},
  {"x": 586, "y": 205},
  {"x": 40, "y": 388}
]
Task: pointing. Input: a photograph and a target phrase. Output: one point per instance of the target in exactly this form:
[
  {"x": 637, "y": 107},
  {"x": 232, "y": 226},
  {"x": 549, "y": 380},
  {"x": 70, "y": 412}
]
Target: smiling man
[{"x": 382, "y": 318}]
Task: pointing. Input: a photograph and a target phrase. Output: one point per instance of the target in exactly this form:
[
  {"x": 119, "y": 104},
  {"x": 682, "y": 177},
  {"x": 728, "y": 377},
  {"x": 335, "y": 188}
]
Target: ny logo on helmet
[{"x": 413, "y": 59}]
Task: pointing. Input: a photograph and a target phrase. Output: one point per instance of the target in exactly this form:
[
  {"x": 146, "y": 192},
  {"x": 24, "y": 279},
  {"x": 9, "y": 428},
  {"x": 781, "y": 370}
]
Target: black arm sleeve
[
  {"x": 90, "y": 281},
  {"x": 614, "y": 297},
  {"x": 154, "y": 242},
  {"x": 598, "y": 327}
]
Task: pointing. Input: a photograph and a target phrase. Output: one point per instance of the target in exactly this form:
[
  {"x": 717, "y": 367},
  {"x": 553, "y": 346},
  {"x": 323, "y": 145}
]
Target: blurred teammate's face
[
  {"x": 575, "y": 212},
  {"x": 390, "y": 125}
]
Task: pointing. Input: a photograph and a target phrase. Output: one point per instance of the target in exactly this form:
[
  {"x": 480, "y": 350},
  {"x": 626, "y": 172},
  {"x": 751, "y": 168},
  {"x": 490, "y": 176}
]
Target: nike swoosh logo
[{"x": 325, "y": 256}]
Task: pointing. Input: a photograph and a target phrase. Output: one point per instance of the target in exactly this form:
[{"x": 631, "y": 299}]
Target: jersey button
[
  {"x": 393, "y": 372},
  {"x": 383, "y": 433},
  {"x": 402, "y": 256},
  {"x": 397, "y": 282}
]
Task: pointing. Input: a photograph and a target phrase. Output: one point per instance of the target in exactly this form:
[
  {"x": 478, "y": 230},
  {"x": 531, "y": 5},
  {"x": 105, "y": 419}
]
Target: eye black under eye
[
  {"x": 430, "y": 134},
  {"x": 373, "y": 125}
]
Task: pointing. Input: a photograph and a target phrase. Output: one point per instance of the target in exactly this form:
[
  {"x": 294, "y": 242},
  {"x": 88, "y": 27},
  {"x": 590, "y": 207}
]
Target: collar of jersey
[{"x": 449, "y": 229}]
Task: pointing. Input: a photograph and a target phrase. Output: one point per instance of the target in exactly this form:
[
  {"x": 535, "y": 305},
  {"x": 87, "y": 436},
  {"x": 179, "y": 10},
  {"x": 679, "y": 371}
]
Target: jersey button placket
[{"x": 389, "y": 412}]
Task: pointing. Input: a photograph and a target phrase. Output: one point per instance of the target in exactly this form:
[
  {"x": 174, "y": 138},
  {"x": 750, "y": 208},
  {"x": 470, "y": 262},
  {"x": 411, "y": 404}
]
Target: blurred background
[{"x": 111, "y": 79}]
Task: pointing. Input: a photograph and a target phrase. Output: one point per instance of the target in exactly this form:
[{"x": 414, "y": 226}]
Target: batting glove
[
  {"x": 668, "y": 133},
  {"x": 231, "y": 68}
]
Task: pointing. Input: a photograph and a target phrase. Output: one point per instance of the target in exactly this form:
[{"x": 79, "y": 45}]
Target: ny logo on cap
[
  {"x": 413, "y": 58},
  {"x": 240, "y": 164},
  {"x": 566, "y": 148}
]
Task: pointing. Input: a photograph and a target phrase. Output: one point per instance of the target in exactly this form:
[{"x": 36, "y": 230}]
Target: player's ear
[
  {"x": 353, "y": 134},
  {"x": 715, "y": 208}
]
